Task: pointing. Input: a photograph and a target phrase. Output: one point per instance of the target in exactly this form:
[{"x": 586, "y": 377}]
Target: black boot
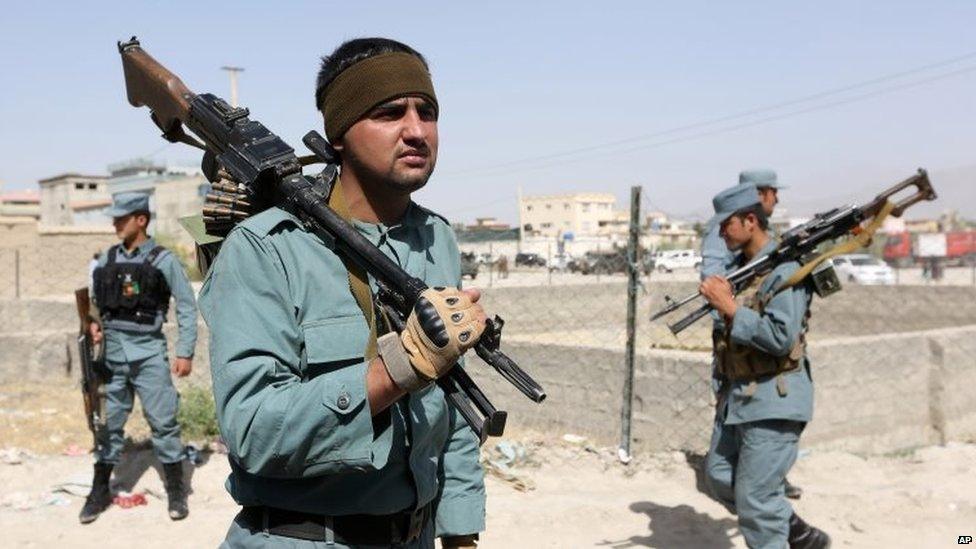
[
  {"x": 792, "y": 491},
  {"x": 804, "y": 536},
  {"x": 101, "y": 495},
  {"x": 175, "y": 490}
]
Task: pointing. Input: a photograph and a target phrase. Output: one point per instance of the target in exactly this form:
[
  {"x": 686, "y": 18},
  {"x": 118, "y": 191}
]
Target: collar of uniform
[
  {"x": 413, "y": 217},
  {"x": 143, "y": 248},
  {"x": 768, "y": 248}
]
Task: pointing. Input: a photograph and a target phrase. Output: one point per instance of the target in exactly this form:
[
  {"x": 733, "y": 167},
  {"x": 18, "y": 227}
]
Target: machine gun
[
  {"x": 93, "y": 370},
  {"x": 267, "y": 173},
  {"x": 800, "y": 243}
]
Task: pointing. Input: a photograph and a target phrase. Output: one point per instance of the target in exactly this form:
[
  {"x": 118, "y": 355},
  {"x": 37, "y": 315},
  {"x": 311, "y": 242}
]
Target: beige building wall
[
  {"x": 47, "y": 261},
  {"x": 62, "y": 194},
  {"x": 579, "y": 213},
  {"x": 175, "y": 199}
]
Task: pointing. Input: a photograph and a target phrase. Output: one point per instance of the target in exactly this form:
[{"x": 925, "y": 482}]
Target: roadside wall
[{"x": 875, "y": 392}]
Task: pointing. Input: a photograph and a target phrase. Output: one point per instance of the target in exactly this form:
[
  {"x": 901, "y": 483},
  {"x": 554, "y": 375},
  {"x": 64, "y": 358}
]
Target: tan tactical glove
[{"x": 444, "y": 323}]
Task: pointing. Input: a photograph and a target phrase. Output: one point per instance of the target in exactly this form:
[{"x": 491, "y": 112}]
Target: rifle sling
[
  {"x": 358, "y": 281},
  {"x": 860, "y": 240}
]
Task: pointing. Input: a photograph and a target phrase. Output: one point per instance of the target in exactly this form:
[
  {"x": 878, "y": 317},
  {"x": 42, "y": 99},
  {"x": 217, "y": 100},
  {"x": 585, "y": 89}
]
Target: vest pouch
[
  {"x": 131, "y": 291},
  {"x": 745, "y": 363}
]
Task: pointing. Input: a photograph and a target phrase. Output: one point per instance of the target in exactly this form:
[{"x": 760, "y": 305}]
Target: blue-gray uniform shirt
[
  {"x": 289, "y": 379},
  {"x": 127, "y": 341},
  {"x": 717, "y": 259},
  {"x": 774, "y": 331}
]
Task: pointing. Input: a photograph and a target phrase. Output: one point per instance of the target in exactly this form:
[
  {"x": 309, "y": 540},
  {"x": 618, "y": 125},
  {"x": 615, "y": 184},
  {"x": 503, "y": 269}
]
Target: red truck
[{"x": 905, "y": 249}]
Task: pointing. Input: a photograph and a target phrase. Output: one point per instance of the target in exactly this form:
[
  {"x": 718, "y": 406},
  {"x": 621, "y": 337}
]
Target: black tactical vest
[{"x": 131, "y": 290}]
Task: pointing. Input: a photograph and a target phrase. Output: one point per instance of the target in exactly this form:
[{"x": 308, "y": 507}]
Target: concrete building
[
  {"x": 488, "y": 224},
  {"x": 666, "y": 234},
  {"x": 73, "y": 199},
  {"x": 618, "y": 224},
  {"x": 24, "y": 204},
  {"x": 565, "y": 215},
  {"x": 175, "y": 192}
]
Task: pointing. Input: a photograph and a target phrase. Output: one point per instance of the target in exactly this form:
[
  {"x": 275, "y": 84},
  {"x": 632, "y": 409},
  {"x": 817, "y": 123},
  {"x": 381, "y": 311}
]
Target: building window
[
  {"x": 566, "y": 206},
  {"x": 548, "y": 206},
  {"x": 528, "y": 208},
  {"x": 546, "y": 225},
  {"x": 79, "y": 186},
  {"x": 586, "y": 207},
  {"x": 93, "y": 186}
]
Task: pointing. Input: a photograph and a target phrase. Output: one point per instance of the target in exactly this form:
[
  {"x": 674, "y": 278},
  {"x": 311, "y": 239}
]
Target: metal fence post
[
  {"x": 17, "y": 273},
  {"x": 597, "y": 262},
  {"x": 491, "y": 263},
  {"x": 549, "y": 261},
  {"x": 632, "y": 282}
]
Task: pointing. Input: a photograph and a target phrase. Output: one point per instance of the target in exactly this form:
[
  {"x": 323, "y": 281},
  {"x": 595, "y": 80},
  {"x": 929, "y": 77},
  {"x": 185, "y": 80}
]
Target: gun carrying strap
[
  {"x": 860, "y": 240},
  {"x": 358, "y": 281}
]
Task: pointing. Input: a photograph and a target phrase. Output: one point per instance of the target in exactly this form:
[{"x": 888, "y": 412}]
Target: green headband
[{"x": 369, "y": 83}]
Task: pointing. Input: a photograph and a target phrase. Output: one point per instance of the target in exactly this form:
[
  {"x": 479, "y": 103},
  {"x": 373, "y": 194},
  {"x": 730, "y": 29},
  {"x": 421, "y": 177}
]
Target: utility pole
[
  {"x": 520, "y": 220},
  {"x": 233, "y": 71}
]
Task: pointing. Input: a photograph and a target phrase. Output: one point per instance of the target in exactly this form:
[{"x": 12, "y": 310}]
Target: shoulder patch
[{"x": 265, "y": 222}]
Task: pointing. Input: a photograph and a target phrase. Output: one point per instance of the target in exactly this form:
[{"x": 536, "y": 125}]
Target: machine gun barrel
[{"x": 800, "y": 241}]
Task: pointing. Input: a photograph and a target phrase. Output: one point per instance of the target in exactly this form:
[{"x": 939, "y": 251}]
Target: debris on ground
[
  {"x": 74, "y": 450},
  {"x": 24, "y": 501},
  {"x": 127, "y": 500},
  {"x": 574, "y": 439},
  {"x": 15, "y": 456},
  {"x": 79, "y": 486},
  {"x": 502, "y": 460}
]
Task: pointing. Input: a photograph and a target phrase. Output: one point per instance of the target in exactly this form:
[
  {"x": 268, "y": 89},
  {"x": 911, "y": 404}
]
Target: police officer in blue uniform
[
  {"x": 716, "y": 257},
  {"x": 336, "y": 434},
  {"x": 132, "y": 286},
  {"x": 764, "y": 386}
]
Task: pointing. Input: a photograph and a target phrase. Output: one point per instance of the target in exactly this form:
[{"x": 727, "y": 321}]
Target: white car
[
  {"x": 669, "y": 260},
  {"x": 863, "y": 269}
]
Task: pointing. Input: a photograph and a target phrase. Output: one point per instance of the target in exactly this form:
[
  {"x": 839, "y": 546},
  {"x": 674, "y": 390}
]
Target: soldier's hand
[
  {"x": 718, "y": 292},
  {"x": 95, "y": 330},
  {"x": 444, "y": 324},
  {"x": 182, "y": 366}
]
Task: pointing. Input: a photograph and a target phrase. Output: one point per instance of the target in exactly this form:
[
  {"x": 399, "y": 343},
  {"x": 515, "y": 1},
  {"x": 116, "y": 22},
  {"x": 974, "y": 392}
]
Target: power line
[
  {"x": 579, "y": 157},
  {"x": 725, "y": 118}
]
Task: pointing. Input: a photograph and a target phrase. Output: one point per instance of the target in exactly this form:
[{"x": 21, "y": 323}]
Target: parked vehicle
[
  {"x": 863, "y": 269},
  {"x": 669, "y": 260},
  {"x": 600, "y": 263},
  {"x": 560, "y": 263},
  {"x": 469, "y": 265},
  {"x": 528, "y": 259}
]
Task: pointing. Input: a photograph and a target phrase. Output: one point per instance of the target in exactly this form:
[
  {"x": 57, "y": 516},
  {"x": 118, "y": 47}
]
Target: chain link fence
[{"x": 888, "y": 361}]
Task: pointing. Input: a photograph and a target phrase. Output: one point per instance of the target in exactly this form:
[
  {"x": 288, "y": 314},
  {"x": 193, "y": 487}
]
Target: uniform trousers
[
  {"x": 150, "y": 379},
  {"x": 745, "y": 470}
]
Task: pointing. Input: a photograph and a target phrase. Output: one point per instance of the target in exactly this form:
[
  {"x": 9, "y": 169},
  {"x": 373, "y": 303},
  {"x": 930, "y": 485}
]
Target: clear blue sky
[{"x": 526, "y": 80}]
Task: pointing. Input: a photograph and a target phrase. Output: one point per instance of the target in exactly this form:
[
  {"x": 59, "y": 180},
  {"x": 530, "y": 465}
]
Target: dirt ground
[{"x": 555, "y": 493}]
